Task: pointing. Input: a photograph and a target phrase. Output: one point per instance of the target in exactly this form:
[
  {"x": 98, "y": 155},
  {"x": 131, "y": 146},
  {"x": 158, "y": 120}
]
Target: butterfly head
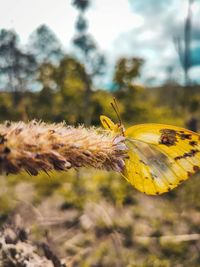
[{"x": 108, "y": 124}]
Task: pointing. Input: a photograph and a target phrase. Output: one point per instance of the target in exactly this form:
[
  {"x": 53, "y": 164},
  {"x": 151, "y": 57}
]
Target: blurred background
[{"x": 65, "y": 61}]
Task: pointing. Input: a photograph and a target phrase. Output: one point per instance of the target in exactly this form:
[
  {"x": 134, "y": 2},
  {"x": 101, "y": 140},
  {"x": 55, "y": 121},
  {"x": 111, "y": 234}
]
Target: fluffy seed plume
[{"x": 37, "y": 146}]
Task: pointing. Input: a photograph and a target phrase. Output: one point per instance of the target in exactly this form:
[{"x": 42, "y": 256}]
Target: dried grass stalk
[{"x": 37, "y": 146}]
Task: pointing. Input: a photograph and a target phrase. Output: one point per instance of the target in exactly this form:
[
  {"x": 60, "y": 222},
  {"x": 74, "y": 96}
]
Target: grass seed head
[{"x": 37, "y": 146}]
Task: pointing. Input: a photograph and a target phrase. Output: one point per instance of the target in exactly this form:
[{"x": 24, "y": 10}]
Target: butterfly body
[{"x": 160, "y": 156}]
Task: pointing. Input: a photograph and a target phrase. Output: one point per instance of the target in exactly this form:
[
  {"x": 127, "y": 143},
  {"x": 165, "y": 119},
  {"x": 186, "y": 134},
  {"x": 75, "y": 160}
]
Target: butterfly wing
[{"x": 160, "y": 157}]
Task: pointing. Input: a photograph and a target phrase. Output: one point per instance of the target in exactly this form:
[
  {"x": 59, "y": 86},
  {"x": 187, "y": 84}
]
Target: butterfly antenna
[{"x": 116, "y": 109}]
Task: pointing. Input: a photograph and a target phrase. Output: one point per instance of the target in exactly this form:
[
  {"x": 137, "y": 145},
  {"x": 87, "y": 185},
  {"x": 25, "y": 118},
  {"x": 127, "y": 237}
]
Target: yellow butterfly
[{"x": 160, "y": 156}]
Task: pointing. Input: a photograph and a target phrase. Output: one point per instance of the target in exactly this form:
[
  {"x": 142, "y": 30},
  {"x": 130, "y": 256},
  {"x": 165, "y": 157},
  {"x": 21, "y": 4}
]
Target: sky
[{"x": 139, "y": 28}]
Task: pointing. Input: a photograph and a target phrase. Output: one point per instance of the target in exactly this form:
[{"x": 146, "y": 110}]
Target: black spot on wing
[
  {"x": 184, "y": 136},
  {"x": 168, "y": 137},
  {"x": 189, "y": 154},
  {"x": 193, "y": 143}
]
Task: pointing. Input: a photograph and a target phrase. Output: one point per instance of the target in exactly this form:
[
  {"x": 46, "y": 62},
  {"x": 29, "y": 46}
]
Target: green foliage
[
  {"x": 6, "y": 106},
  {"x": 126, "y": 70}
]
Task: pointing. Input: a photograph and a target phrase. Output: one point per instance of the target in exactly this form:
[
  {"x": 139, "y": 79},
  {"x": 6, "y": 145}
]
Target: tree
[
  {"x": 16, "y": 66},
  {"x": 71, "y": 80},
  {"x": 45, "y": 46},
  {"x": 184, "y": 49},
  {"x": 184, "y": 52},
  {"x": 48, "y": 52},
  {"x": 17, "y": 69},
  {"x": 89, "y": 55},
  {"x": 126, "y": 71},
  {"x": 81, "y": 4},
  {"x": 44, "y": 105}
]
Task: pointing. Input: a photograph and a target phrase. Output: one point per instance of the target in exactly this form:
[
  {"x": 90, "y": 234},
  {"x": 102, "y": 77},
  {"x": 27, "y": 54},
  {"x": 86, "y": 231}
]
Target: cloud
[
  {"x": 108, "y": 18},
  {"x": 149, "y": 7},
  {"x": 153, "y": 40},
  {"x": 194, "y": 74}
]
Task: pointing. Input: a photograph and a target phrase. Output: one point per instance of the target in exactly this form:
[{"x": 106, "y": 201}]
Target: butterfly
[{"x": 160, "y": 157}]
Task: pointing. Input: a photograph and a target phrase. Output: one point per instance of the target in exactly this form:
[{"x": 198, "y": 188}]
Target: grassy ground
[{"x": 94, "y": 218}]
